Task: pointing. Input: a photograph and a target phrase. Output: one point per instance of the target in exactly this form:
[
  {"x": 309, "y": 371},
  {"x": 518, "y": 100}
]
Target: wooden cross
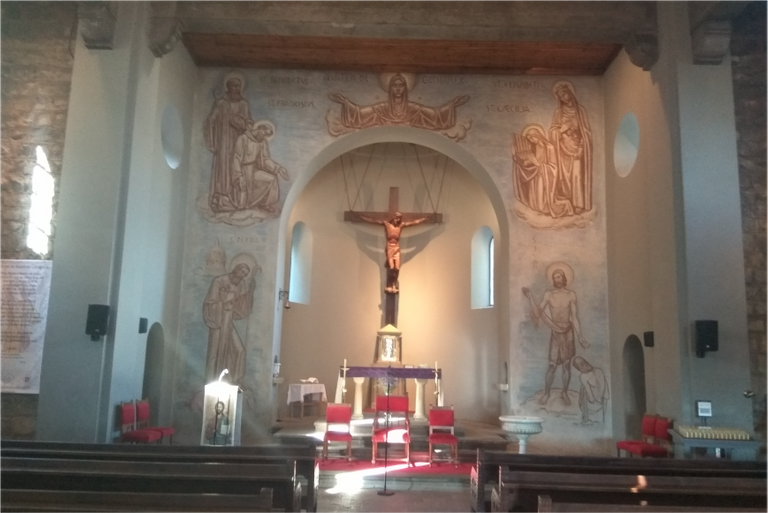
[{"x": 392, "y": 230}]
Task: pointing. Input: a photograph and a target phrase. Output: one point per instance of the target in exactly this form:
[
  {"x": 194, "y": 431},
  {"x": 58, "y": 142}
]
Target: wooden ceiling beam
[{"x": 407, "y": 55}]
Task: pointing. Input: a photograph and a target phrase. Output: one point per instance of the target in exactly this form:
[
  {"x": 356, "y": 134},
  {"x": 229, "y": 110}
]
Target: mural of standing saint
[
  {"x": 559, "y": 313},
  {"x": 397, "y": 110},
  {"x": 227, "y": 121},
  {"x": 572, "y": 138},
  {"x": 552, "y": 169},
  {"x": 229, "y": 298}
]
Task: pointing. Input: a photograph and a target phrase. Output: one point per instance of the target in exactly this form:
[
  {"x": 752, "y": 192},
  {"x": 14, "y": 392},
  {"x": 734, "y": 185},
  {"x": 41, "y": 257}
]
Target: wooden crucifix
[{"x": 393, "y": 222}]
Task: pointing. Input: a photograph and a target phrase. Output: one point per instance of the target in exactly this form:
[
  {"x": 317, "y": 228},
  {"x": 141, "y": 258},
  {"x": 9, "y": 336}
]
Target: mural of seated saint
[
  {"x": 397, "y": 110},
  {"x": 253, "y": 193}
]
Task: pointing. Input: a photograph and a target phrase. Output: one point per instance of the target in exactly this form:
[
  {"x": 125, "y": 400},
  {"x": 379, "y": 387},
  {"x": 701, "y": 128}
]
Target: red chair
[
  {"x": 337, "y": 427},
  {"x": 142, "y": 421},
  {"x": 655, "y": 439},
  {"x": 129, "y": 432},
  {"x": 441, "y": 432},
  {"x": 391, "y": 425}
]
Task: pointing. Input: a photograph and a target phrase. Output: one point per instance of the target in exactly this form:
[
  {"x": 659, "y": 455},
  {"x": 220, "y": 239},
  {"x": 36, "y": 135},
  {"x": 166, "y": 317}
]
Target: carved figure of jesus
[{"x": 393, "y": 228}]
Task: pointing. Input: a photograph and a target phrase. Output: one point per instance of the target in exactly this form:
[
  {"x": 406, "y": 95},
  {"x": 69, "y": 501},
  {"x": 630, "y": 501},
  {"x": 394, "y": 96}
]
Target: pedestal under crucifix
[{"x": 393, "y": 222}]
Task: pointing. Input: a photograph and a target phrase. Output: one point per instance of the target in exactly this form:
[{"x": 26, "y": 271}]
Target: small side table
[{"x": 298, "y": 394}]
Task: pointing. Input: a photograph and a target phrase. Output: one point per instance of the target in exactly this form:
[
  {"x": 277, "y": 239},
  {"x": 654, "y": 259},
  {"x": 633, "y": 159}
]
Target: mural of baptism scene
[{"x": 477, "y": 240}]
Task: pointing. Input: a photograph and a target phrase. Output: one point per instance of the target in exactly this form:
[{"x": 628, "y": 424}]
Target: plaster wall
[
  {"x": 84, "y": 267},
  {"x": 132, "y": 211},
  {"x": 306, "y": 120},
  {"x": 434, "y": 313}
]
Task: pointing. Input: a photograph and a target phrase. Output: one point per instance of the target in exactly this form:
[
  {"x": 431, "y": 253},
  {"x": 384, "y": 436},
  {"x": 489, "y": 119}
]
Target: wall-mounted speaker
[
  {"x": 143, "y": 322},
  {"x": 648, "y": 339},
  {"x": 705, "y": 337},
  {"x": 97, "y": 321}
]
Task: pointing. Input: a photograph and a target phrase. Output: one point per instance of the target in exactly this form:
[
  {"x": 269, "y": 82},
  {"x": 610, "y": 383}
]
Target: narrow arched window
[
  {"x": 301, "y": 264},
  {"x": 482, "y": 268},
  {"x": 490, "y": 271},
  {"x": 41, "y": 205}
]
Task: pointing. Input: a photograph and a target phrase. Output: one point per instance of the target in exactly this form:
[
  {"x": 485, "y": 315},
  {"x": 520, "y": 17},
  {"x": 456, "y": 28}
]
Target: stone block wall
[
  {"x": 36, "y": 54},
  {"x": 748, "y": 51}
]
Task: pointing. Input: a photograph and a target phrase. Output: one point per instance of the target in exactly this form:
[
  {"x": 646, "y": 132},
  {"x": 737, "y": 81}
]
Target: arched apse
[
  {"x": 315, "y": 331},
  {"x": 634, "y": 386},
  {"x": 153, "y": 369}
]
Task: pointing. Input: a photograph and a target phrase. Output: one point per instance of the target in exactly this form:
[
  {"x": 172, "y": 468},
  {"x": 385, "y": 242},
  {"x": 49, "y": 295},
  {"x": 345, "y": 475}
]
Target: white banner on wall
[{"x": 26, "y": 287}]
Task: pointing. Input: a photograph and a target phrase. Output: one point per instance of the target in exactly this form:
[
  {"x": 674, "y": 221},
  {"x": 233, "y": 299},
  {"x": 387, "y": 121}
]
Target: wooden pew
[
  {"x": 153, "y": 477},
  {"x": 303, "y": 454},
  {"x": 486, "y": 469},
  {"x": 546, "y": 505},
  {"x": 520, "y": 491},
  {"x": 71, "y": 500}
]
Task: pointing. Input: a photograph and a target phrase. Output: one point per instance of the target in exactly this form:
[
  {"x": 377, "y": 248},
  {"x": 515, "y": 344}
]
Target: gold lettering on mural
[
  {"x": 295, "y": 104},
  {"x": 444, "y": 80},
  {"x": 343, "y": 77},
  {"x": 511, "y": 109},
  {"x": 517, "y": 84},
  {"x": 280, "y": 80},
  {"x": 243, "y": 240}
]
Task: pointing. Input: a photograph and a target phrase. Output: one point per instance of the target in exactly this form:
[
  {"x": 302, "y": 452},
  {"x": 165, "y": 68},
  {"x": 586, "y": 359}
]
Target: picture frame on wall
[{"x": 704, "y": 409}]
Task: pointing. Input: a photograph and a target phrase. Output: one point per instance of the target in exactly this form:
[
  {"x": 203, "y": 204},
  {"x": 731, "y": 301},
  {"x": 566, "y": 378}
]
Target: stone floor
[
  {"x": 403, "y": 499},
  {"x": 345, "y": 491}
]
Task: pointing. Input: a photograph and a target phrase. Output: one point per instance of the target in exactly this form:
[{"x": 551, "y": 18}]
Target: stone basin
[{"x": 521, "y": 426}]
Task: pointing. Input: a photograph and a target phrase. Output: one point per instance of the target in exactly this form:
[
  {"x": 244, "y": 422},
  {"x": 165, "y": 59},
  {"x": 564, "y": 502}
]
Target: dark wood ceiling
[{"x": 405, "y": 55}]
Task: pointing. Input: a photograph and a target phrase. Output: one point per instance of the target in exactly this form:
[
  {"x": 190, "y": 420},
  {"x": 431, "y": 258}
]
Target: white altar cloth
[{"x": 297, "y": 391}]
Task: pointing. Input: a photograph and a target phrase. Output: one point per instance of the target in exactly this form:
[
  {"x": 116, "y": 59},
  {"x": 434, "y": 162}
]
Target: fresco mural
[
  {"x": 229, "y": 298},
  {"x": 259, "y": 130},
  {"x": 244, "y": 186},
  {"x": 397, "y": 110},
  {"x": 553, "y": 171},
  {"x": 593, "y": 393},
  {"x": 559, "y": 313}
]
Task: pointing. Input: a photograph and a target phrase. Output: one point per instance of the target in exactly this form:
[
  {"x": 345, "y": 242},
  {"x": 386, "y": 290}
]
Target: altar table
[{"x": 358, "y": 374}]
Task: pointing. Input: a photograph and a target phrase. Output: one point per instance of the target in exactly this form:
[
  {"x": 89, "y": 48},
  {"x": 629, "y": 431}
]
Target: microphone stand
[{"x": 386, "y": 492}]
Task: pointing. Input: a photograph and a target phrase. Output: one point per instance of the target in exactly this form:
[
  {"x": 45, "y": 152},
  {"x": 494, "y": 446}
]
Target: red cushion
[
  {"x": 397, "y": 436},
  {"x": 443, "y": 438},
  {"x": 337, "y": 436},
  {"x": 648, "y": 427},
  {"x": 653, "y": 451},
  {"x": 142, "y": 436},
  {"x": 662, "y": 429},
  {"x": 643, "y": 449},
  {"x": 630, "y": 445},
  {"x": 164, "y": 430}
]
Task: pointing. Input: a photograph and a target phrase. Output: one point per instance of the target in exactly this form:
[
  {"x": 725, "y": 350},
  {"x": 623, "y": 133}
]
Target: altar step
[{"x": 472, "y": 436}]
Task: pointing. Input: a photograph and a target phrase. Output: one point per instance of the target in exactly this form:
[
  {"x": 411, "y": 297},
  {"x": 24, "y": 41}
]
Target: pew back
[
  {"x": 302, "y": 454},
  {"x": 153, "y": 477}
]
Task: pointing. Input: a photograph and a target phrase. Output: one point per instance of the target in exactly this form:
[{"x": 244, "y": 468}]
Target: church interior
[{"x": 581, "y": 189}]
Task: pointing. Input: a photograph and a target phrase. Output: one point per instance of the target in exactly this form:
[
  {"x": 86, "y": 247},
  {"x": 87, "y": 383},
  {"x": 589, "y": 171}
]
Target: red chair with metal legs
[
  {"x": 338, "y": 418},
  {"x": 391, "y": 425},
  {"x": 129, "y": 432},
  {"x": 441, "y": 432},
  {"x": 142, "y": 421}
]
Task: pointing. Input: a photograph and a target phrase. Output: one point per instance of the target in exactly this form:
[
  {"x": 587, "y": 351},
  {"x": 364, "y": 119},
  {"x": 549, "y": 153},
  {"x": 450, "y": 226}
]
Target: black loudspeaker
[
  {"x": 143, "y": 324},
  {"x": 705, "y": 337},
  {"x": 648, "y": 339},
  {"x": 96, "y": 323}
]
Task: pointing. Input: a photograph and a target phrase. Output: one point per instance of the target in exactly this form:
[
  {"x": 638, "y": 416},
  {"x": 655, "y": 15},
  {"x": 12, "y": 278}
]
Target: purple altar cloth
[{"x": 395, "y": 372}]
